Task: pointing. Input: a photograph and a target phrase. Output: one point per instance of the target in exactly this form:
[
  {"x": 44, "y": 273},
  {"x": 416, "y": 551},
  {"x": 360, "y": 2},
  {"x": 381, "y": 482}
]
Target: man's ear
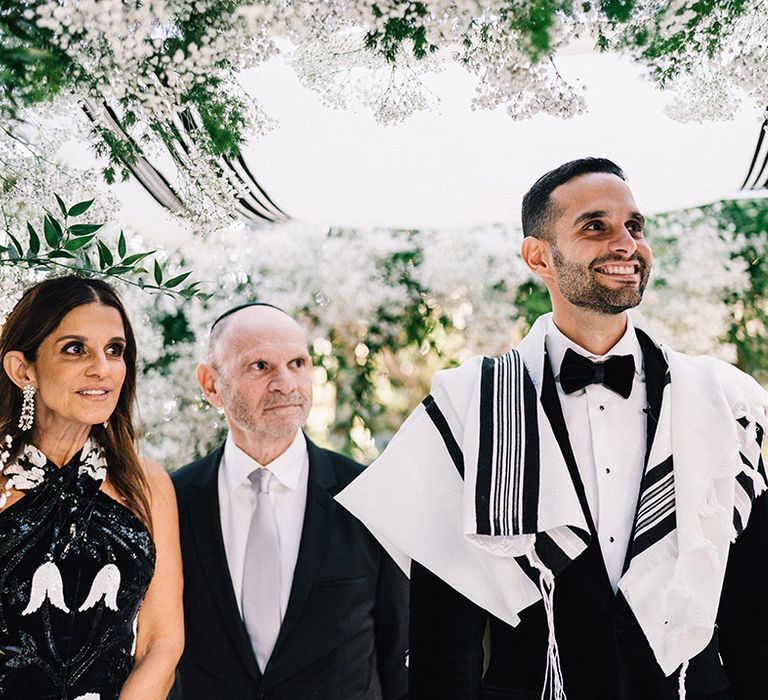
[
  {"x": 536, "y": 255},
  {"x": 208, "y": 379},
  {"x": 18, "y": 369}
]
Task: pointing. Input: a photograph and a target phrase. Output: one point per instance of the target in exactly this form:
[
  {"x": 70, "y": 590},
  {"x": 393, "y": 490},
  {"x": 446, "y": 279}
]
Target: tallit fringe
[
  {"x": 553, "y": 676},
  {"x": 681, "y": 680}
]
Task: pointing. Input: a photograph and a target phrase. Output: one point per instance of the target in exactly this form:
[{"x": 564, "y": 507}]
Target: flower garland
[{"x": 162, "y": 75}]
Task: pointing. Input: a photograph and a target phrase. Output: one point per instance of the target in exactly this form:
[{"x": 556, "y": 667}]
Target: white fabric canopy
[{"x": 458, "y": 167}]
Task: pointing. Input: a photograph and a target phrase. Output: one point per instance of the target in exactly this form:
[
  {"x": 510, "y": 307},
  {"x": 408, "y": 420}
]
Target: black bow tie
[{"x": 616, "y": 373}]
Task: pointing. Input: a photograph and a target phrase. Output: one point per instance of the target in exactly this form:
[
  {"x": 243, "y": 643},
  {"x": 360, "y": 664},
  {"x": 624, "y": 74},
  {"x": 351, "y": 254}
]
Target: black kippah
[{"x": 234, "y": 309}]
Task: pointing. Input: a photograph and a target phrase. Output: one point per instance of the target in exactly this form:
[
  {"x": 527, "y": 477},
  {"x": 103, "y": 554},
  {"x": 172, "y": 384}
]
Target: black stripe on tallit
[
  {"x": 501, "y": 468},
  {"x": 661, "y": 509},
  {"x": 656, "y": 474},
  {"x": 746, "y": 483},
  {"x": 531, "y": 459},
  {"x": 485, "y": 451},
  {"x": 513, "y": 421},
  {"x": 656, "y": 533},
  {"x": 434, "y": 412},
  {"x": 550, "y": 554},
  {"x": 528, "y": 569}
]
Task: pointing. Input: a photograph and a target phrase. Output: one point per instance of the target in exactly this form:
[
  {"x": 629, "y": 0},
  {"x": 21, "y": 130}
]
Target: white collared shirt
[
  {"x": 608, "y": 437},
  {"x": 237, "y": 500}
]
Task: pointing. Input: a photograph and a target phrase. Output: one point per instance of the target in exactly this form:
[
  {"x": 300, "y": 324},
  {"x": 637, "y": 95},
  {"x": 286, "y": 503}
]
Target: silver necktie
[{"x": 261, "y": 573}]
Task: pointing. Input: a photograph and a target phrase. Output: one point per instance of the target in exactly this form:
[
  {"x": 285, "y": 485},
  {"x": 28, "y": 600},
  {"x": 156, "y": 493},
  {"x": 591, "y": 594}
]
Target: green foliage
[
  {"x": 398, "y": 30},
  {"x": 534, "y": 21},
  {"x": 670, "y": 52},
  {"x": 356, "y": 365},
  {"x": 75, "y": 247},
  {"x": 749, "y": 327},
  {"x": 175, "y": 330},
  {"x": 32, "y": 68},
  {"x": 532, "y": 300}
]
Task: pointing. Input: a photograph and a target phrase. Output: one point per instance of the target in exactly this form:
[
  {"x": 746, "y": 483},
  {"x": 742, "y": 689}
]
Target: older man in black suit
[{"x": 287, "y": 596}]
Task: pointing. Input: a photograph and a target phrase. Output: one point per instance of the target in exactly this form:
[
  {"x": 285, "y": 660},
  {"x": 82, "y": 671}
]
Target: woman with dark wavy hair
[{"x": 90, "y": 570}]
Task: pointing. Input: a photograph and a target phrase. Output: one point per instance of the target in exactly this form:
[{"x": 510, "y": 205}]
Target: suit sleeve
[
  {"x": 446, "y": 640},
  {"x": 743, "y": 615},
  {"x": 391, "y": 629}
]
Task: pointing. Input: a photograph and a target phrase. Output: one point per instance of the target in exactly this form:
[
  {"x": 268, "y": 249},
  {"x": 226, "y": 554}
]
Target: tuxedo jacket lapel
[
  {"x": 314, "y": 540},
  {"x": 205, "y": 523},
  {"x": 551, "y": 403},
  {"x": 656, "y": 377},
  {"x": 655, "y": 367}
]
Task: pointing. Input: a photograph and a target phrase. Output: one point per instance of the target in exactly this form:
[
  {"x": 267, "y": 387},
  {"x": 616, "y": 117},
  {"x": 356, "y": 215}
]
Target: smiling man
[
  {"x": 286, "y": 595},
  {"x": 586, "y": 516}
]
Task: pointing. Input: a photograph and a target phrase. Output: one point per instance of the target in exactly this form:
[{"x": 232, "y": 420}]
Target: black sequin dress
[{"x": 74, "y": 567}]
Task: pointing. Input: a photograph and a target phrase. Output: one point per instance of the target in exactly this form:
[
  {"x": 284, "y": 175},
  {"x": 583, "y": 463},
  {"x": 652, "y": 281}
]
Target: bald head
[
  {"x": 262, "y": 320},
  {"x": 259, "y": 372}
]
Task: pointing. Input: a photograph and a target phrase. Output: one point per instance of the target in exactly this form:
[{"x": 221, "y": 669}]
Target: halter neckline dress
[{"x": 74, "y": 567}]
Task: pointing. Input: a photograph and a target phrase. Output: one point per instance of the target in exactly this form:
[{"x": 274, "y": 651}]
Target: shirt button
[
  {"x": 607, "y": 470},
  {"x": 610, "y": 539},
  {"x": 602, "y": 408}
]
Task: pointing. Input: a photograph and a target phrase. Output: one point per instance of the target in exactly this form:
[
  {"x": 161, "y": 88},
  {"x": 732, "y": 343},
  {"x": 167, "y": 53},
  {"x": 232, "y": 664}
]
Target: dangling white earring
[
  {"x": 105, "y": 424},
  {"x": 27, "y": 416}
]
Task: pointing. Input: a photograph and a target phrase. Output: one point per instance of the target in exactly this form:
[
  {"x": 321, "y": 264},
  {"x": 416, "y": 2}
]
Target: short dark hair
[{"x": 537, "y": 204}]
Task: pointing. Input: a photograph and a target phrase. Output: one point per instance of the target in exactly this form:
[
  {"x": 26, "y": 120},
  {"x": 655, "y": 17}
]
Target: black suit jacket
[
  {"x": 344, "y": 635},
  {"x": 604, "y": 654}
]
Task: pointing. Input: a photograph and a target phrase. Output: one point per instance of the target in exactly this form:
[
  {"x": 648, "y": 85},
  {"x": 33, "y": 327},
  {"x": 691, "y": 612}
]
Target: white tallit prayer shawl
[{"x": 475, "y": 488}]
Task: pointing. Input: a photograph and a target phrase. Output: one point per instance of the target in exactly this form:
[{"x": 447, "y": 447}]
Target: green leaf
[
  {"x": 34, "y": 240},
  {"x": 16, "y": 244},
  {"x": 177, "y": 280},
  {"x": 105, "y": 255},
  {"x": 52, "y": 236},
  {"x": 118, "y": 270},
  {"x": 158, "y": 273},
  {"x": 79, "y": 242},
  {"x": 61, "y": 204},
  {"x": 61, "y": 254},
  {"x": 121, "y": 247},
  {"x": 56, "y": 225},
  {"x": 132, "y": 259},
  {"x": 83, "y": 229},
  {"x": 80, "y": 208}
]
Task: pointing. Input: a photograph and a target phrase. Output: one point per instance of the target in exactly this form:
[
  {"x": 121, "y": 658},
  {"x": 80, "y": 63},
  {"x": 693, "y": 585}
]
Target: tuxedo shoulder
[
  {"x": 182, "y": 476},
  {"x": 346, "y": 468}
]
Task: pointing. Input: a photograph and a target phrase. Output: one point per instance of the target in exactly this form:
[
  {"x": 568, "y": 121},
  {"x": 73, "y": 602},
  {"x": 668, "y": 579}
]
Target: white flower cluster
[
  {"x": 152, "y": 60},
  {"x": 693, "y": 273},
  {"x": 702, "y": 73}
]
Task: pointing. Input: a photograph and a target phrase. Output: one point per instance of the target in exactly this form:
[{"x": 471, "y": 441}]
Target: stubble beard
[
  {"x": 270, "y": 427},
  {"x": 577, "y": 283}
]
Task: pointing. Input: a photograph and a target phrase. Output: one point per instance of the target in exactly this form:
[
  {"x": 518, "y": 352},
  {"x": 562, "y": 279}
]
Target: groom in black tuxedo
[
  {"x": 586, "y": 516},
  {"x": 584, "y": 238},
  {"x": 286, "y": 595}
]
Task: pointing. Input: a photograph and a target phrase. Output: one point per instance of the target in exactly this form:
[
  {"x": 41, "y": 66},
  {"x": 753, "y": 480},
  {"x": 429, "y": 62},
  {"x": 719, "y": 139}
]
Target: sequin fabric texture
[{"x": 74, "y": 567}]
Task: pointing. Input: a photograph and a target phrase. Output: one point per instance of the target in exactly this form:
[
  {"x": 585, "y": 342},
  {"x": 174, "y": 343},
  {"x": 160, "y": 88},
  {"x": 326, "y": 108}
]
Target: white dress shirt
[
  {"x": 237, "y": 500},
  {"x": 608, "y": 437}
]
